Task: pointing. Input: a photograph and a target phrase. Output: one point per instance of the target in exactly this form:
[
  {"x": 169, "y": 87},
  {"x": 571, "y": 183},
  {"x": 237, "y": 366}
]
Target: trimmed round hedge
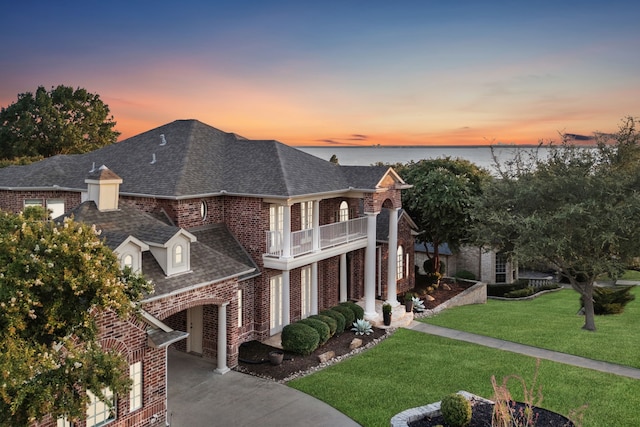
[
  {"x": 339, "y": 319},
  {"x": 300, "y": 338},
  {"x": 456, "y": 410},
  {"x": 330, "y": 322},
  {"x": 349, "y": 317},
  {"x": 358, "y": 311},
  {"x": 321, "y": 328}
]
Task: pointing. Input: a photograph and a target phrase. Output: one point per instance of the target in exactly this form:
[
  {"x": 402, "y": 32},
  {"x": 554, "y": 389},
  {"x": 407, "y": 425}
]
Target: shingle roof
[
  {"x": 209, "y": 264},
  {"x": 196, "y": 160}
]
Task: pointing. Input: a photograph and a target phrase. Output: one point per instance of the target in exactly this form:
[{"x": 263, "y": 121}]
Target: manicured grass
[
  {"x": 412, "y": 369},
  {"x": 631, "y": 275},
  {"x": 550, "y": 321}
]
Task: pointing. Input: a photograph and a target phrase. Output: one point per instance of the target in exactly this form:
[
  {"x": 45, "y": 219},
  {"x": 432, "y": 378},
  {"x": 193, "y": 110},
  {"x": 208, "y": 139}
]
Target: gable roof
[
  {"x": 187, "y": 158},
  {"x": 382, "y": 223},
  {"x": 208, "y": 264}
]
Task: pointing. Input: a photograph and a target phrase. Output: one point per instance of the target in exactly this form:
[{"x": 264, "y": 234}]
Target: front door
[
  {"x": 275, "y": 311},
  {"x": 194, "y": 320}
]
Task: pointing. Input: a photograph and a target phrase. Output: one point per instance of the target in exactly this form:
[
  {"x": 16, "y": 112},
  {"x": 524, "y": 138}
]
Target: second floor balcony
[{"x": 309, "y": 241}]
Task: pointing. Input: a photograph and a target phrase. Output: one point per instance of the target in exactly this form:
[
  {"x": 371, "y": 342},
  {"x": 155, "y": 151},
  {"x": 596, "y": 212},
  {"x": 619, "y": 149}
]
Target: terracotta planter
[{"x": 275, "y": 357}]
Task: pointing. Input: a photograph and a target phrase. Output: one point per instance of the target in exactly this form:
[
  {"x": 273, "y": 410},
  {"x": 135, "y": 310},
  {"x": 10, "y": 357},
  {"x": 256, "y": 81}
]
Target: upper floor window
[
  {"x": 127, "y": 261},
  {"x": 135, "y": 394},
  {"x": 343, "y": 213},
  {"x": 101, "y": 412},
  {"x": 276, "y": 218},
  {"x": 178, "y": 255},
  {"x": 306, "y": 215},
  {"x": 55, "y": 207},
  {"x": 32, "y": 202},
  {"x": 203, "y": 210},
  {"x": 400, "y": 263}
]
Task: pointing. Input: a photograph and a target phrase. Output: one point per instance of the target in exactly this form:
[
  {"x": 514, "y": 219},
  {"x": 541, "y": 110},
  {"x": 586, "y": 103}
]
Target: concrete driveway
[{"x": 200, "y": 397}]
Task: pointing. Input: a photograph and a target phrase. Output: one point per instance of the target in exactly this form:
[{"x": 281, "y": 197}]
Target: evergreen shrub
[
  {"x": 329, "y": 321},
  {"x": 358, "y": 311},
  {"x": 339, "y": 318},
  {"x": 300, "y": 338},
  {"x": 456, "y": 410},
  {"x": 349, "y": 317},
  {"x": 321, "y": 328}
]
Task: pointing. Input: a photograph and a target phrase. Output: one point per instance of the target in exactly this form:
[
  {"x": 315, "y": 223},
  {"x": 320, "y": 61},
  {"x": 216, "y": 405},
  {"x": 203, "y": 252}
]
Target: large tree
[
  {"x": 576, "y": 209},
  {"x": 441, "y": 200},
  {"x": 60, "y": 121},
  {"x": 55, "y": 281}
]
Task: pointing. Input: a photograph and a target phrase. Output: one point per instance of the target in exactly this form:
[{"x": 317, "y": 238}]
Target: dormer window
[
  {"x": 127, "y": 261},
  {"x": 178, "y": 255}
]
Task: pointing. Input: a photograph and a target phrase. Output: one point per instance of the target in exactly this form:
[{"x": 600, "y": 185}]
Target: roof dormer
[
  {"x": 174, "y": 256},
  {"x": 103, "y": 188}
]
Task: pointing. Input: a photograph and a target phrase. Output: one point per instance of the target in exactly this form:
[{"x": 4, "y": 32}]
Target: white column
[
  {"x": 286, "y": 232},
  {"x": 343, "y": 277},
  {"x": 222, "y": 339},
  {"x": 286, "y": 298},
  {"x": 370, "y": 268},
  {"x": 316, "y": 225},
  {"x": 314, "y": 288},
  {"x": 392, "y": 260}
]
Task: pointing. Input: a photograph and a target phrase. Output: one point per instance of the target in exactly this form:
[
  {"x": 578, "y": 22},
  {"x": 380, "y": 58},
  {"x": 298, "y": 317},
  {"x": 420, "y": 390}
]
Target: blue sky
[{"x": 337, "y": 72}]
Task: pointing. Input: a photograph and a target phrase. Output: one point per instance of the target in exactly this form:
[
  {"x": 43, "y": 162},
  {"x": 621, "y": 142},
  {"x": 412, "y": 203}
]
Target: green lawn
[
  {"x": 412, "y": 369},
  {"x": 550, "y": 321}
]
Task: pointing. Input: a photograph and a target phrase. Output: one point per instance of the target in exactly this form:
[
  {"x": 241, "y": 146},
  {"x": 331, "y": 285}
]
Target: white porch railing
[{"x": 330, "y": 235}]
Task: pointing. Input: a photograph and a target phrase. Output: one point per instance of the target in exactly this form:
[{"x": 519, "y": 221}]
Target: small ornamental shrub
[
  {"x": 418, "y": 305},
  {"x": 465, "y": 275},
  {"x": 456, "y": 410},
  {"x": 321, "y": 328},
  {"x": 357, "y": 310},
  {"x": 362, "y": 327},
  {"x": 339, "y": 318},
  {"x": 329, "y": 321},
  {"x": 610, "y": 300},
  {"x": 386, "y": 308},
  {"x": 349, "y": 317},
  {"x": 300, "y": 338}
]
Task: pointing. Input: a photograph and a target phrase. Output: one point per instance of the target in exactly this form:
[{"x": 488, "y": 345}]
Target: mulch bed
[
  {"x": 481, "y": 413},
  {"x": 254, "y": 355}
]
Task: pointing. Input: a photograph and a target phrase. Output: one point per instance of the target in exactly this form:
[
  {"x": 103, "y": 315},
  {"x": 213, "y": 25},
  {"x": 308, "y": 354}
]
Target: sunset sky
[{"x": 337, "y": 72}]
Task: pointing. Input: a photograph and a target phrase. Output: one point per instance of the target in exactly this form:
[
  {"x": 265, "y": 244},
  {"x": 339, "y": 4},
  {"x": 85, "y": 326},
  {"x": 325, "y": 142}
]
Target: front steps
[{"x": 399, "y": 316}]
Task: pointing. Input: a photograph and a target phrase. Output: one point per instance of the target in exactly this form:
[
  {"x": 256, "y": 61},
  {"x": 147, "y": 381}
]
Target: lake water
[{"x": 365, "y": 156}]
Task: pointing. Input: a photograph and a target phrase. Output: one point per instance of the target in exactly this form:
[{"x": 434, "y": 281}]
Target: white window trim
[
  {"x": 305, "y": 292},
  {"x": 98, "y": 412},
  {"x": 240, "y": 308},
  {"x": 400, "y": 263},
  {"x": 343, "y": 211},
  {"x": 178, "y": 251},
  {"x": 135, "y": 394}
]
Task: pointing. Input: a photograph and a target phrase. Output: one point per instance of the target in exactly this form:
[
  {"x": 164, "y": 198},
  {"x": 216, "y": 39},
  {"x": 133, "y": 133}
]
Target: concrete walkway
[
  {"x": 555, "y": 356},
  {"x": 198, "y": 397}
]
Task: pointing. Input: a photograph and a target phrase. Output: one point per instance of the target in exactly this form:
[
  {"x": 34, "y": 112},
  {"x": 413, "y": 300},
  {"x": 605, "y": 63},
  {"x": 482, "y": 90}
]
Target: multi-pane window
[
  {"x": 275, "y": 309},
  {"x": 99, "y": 412},
  {"x": 343, "y": 213},
  {"x": 501, "y": 268},
  {"x": 135, "y": 394},
  {"x": 400, "y": 263},
  {"x": 306, "y": 215},
  {"x": 32, "y": 202},
  {"x": 178, "y": 257},
  {"x": 305, "y": 291},
  {"x": 276, "y": 226},
  {"x": 127, "y": 261}
]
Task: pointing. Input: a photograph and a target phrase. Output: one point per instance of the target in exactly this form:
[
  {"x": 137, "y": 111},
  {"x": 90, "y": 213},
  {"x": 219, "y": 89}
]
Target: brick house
[{"x": 240, "y": 238}]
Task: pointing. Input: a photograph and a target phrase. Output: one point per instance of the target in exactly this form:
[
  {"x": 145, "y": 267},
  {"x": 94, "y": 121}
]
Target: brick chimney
[{"x": 103, "y": 187}]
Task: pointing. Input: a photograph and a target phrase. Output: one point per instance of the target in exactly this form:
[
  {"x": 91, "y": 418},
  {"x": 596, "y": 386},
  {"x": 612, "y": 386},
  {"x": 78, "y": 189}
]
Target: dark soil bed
[
  {"x": 254, "y": 355},
  {"x": 481, "y": 417}
]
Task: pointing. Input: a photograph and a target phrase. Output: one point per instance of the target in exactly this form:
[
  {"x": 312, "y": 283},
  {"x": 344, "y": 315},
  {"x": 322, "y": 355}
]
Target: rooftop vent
[
  {"x": 153, "y": 159},
  {"x": 93, "y": 167},
  {"x": 164, "y": 140}
]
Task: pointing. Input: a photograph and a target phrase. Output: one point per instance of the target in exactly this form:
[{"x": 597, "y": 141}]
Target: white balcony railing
[{"x": 330, "y": 235}]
